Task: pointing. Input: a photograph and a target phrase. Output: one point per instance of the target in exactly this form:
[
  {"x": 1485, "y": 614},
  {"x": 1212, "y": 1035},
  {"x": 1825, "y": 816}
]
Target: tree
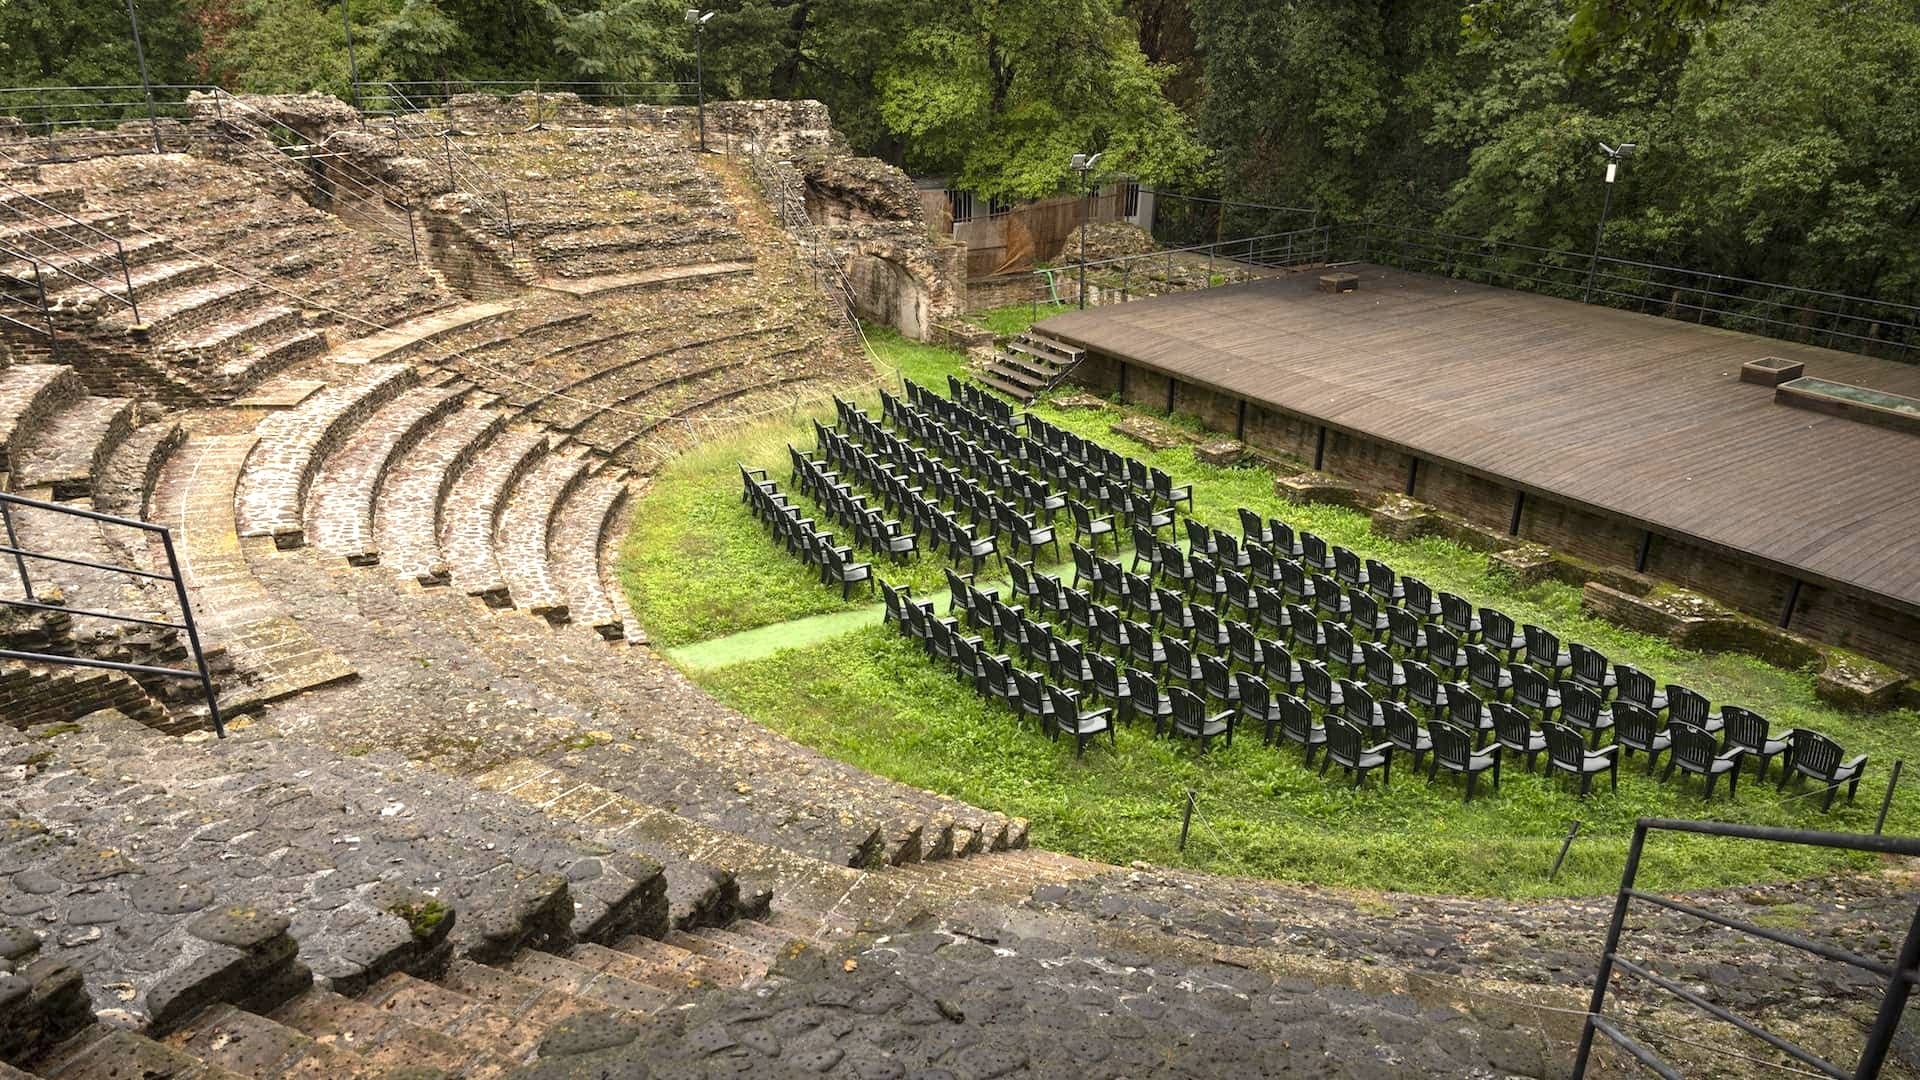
[
  {"x": 622, "y": 40},
  {"x": 90, "y": 42}
]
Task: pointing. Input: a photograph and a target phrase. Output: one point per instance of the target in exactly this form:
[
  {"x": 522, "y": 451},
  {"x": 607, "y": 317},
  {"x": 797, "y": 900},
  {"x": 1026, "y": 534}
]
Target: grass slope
[{"x": 698, "y": 568}]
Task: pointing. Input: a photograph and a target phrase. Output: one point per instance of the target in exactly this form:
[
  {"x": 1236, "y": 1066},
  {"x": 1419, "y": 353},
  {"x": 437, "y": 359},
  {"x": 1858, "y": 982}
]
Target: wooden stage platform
[{"x": 1635, "y": 416}]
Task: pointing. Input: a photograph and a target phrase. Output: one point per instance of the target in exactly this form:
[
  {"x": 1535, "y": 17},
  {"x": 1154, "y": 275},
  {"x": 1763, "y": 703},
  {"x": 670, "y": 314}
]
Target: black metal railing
[
  {"x": 1900, "y": 974},
  {"x": 23, "y": 293},
  {"x": 1770, "y": 309},
  {"x": 24, "y": 557}
]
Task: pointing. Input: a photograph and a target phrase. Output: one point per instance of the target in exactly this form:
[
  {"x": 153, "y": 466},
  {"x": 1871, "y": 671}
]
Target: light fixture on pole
[
  {"x": 1614, "y": 154},
  {"x": 146, "y": 84},
  {"x": 1084, "y": 165},
  {"x": 698, "y": 20}
]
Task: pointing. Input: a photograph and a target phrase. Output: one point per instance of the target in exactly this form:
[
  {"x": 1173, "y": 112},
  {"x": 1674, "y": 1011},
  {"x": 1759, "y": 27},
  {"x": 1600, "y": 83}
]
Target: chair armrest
[
  {"x": 1381, "y": 748},
  {"x": 1095, "y": 714},
  {"x": 761, "y": 473},
  {"x": 1858, "y": 761}
]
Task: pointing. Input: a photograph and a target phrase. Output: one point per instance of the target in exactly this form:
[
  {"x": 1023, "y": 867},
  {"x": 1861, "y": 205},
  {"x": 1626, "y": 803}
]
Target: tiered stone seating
[
  {"x": 416, "y": 487},
  {"x": 30, "y": 395},
  {"x": 339, "y": 511},
  {"x": 520, "y": 540},
  {"x": 586, "y": 524},
  {"x": 292, "y": 443},
  {"x": 195, "y": 497},
  {"x": 474, "y": 505},
  {"x": 596, "y": 201}
]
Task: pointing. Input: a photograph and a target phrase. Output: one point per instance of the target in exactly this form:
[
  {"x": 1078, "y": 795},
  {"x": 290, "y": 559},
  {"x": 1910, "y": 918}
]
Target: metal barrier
[
  {"x": 31, "y": 602},
  {"x": 1901, "y": 974},
  {"x": 21, "y": 265}
]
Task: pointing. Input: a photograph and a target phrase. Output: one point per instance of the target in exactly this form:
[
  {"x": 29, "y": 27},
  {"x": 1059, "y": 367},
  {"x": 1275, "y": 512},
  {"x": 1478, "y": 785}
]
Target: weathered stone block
[
  {"x": 1154, "y": 434},
  {"x": 1528, "y": 564},
  {"x": 1859, "y": 685},
  {"x": 1692, "y": 621},
  {"x": 1070, "y": 402},
  {"x": 1319, "y": 487},
  {"x": 1221, "y": 452}
]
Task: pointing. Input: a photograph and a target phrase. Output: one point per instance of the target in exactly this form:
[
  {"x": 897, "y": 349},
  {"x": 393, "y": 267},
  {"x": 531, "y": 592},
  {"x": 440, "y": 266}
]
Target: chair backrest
[
  {"x": 1162, "y": 483},
  {"x": 891, "y": 597},
  {"x": 965, "y": 656},
  {"x": 1139, "y": 591},
  {"x": 1082, "y": 517},
  {"x": 1464, "y": 706},
  {"x": 1589, "y": 665},
  {"x": 1277, "y": 661},
  {"x": 1206, "y": 623},
  {"x": 1079, "y": 608},
  {"x": 1693, "y": 747},
  {"x": 1205, "y": 574},
  {"x": 1199, "y": 537},
  {"x": 1379, "y": 578},
  {"x": 1565, "y": 748},
  {"x": 1144, "y": 685},
  {"x": 1260, "y": 557},
  {"x": 1140, "y": 641},
  {"x": 1213, "y": 673},
  {"x": 1315, "y": 679},
  {"x": 1106, "y": 676},
  {"x": 1082, "y": 561},
  {"x": 1403, "y": 730},
  {"x": 1452, "y": 747},
  {"x": 1343, "y": 739},
  {"x": 1189, "y": 712},
  {"x": 1246, "y": 647},
  {"x": 1543, "y": 646},
  {"x": 1364, "y": 609},
  {"x": 1171, "y": 560},
  {"x": 1417, "y": 594},
  {"x": 1253, "y": 693},
  {"x": 1339, "y": 641},
  {"x": 1482, "y": 666},
  {"x": 1636, "y": 686},
  {"x": 1106, "y": 622},
  {"x": 1745, "y": 727},
  {"x": 1305, "y": 627},
  {"x": 1173, "y": 607},
  {"x": 1529, "y": 686},
  {"x": 1327, "y": 592},
  {"x": 1144, "y": 543},
  {"x": 1346, "y": 565},
  {"x": 1226, "y": 548},
  {"x": 1293, "y": 578},
  {"x": 1066, "y": 706},
  {"x": 1443, "y": 647},
  {"x": 1252, "y": 529},
  {"x": 1046, "y": 590},
  {"x": 1313, "y": 549},
  {"x": 1456, "y": 612},
  {"x": 1356, "y": 702},
  {"x": 1579, "y": 706},
  {"x": 1272, "y": 606},
  {"x": 1423, "y": 686},
  {"x": 1021, "y": 575},
  {"x": 1296, "y": 717},
  {"x": 1179, "y": 656},
  {"x": 1815, "y": 754},
  {"x": 1284, "y": 540},
  {"x": 1380, "y": 663},
  {"x": 1633, "y": 726},
  {"x": 1511, "y": 726},
  {"x": 1403, "y": 629},
  {"x": 1687, "y": 705},
  {"x": 1072, "y": 660},
  {"x": 1496, "y": 625}
]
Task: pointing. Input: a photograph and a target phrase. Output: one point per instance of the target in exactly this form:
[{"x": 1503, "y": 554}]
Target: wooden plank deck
[{"x": 1636, "y": 415}]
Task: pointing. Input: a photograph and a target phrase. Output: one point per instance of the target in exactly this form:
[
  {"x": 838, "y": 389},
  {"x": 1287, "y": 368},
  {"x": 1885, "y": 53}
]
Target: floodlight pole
[
  {"x": 146, "y": 84},
  {"x": 1614, "y": 154},
  {"x": 698, "y": 19},
  {"x": 1084, "y": 165}
]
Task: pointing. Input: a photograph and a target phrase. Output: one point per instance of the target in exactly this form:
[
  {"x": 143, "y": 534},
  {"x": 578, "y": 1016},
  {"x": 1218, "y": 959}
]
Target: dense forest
[{"x": 1776, "y": 138}]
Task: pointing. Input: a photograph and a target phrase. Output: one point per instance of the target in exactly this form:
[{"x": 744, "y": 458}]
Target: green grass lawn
[
  {"x": 698, "y": 567},
  {"x": 1015, "y": 318}
]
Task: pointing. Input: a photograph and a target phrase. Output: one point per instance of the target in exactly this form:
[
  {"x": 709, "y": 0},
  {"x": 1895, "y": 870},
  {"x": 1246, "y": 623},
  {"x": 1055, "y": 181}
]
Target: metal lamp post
[
  {"x": 353, "y": 64},
  {"x": 698, "y": 20},
  {"x": 1614, "y": 154},
  {"x": 1084, "y": 165}
]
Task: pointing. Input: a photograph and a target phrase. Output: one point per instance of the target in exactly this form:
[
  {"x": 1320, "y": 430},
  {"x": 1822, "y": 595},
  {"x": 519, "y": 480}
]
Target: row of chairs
[
  {"x": 1523, "y": 665},
  {"x": 782, "y": 518}
]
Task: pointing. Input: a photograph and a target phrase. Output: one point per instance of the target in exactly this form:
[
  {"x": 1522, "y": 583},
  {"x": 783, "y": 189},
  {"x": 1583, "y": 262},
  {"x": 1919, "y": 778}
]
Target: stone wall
[
  {"x": 1872, "y": 628},
  {"x": 781, "y": 128}
]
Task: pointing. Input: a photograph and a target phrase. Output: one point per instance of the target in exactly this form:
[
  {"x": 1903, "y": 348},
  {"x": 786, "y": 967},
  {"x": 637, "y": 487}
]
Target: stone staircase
[{"x": 1030, "y": 364}]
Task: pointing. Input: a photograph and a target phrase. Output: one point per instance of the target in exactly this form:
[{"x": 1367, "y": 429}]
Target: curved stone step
[
  {"x": 473, "y": 511},
  {"x": 383, "y": 1041},
  {"x": 72, "y": 536},
  {"x": 30, "y": 396},
  {"x": 515, "y": 995},
  {"x": 293, "y": 443},
  {"x": 126, "y": 483},
  {"x": 414, "y": 494},
  {"x": 604, "y": 987},
  {"x": 340, "y": 499},
  {"x": 585, "y": 525},
  {"x": 572, "y": 404},
  {"x": 248, "y": 1044},
  {"x": 67, "y": 450},
  {"x": 195, "y": 498},
  {"x": 104, "y": 1052},
  {"x": 480, "y": 1025},
  {"x": 520, "y": 540}
]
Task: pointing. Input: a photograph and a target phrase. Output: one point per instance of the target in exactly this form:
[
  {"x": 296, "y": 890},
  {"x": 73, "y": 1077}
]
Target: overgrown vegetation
[
  {"x": 1015, "y": 318},
  {"x": 873, "y": 699}
]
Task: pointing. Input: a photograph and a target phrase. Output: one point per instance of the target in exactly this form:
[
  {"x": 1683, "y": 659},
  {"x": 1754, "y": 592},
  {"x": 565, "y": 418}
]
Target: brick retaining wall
[{"x": 1832, "y": 615}]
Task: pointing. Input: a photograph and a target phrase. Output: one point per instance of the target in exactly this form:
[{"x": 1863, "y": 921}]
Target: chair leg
[
  {"x": 1324, "y": 762},
  {"x": 1826, "y": 804},
  {"x": 1733, "y": 783},
  {"x": 1473, "y": 780},
  {"x": 1712, "y": 779}
]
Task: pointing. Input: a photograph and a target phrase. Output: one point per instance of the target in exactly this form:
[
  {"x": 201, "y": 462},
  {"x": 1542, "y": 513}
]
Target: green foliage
[
  {"x": 1015, "y": 318},
  {"x": 622, "y": 40},
  {"x": 90, "y": 42}
]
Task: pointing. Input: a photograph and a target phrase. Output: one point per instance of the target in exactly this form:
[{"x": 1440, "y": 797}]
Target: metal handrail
[
  {"x": 1900, "y": 976},
  {"x": 40, "y": 287},
  {"x": 470, "y": 179},
  {"x": 31, "y": 602},
  {"x": 119, "y": 251}
]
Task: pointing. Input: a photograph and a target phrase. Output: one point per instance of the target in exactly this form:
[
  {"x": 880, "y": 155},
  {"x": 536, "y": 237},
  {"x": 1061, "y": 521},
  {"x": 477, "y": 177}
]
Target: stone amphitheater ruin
[{"x": 395, "y": 393}]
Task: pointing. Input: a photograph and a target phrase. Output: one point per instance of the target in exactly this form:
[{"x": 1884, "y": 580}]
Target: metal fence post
[
  {"x": 1899, "y": 987},
  {"x": 1886, "y": 801},
  {"x": 1614, "y": 927},
  {"x": 413, "y": 238},
  {"x": 13, "y": 541},
  {"x": 193, "y": 634},
  {"x": 1186, "y": 819},
  {"x": 1564, "y": 844}
]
